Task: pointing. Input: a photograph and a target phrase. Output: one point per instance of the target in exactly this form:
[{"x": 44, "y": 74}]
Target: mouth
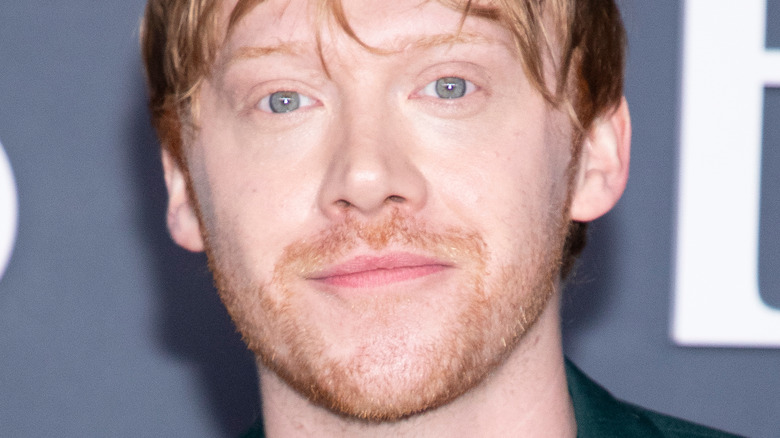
[{"x": 375, "y": 271}]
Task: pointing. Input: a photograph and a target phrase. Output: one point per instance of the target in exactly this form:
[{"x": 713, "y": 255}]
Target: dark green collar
[{"x": 600, "y": 415}]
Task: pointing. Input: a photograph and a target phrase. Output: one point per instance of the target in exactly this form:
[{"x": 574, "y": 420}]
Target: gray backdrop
[{"x": 108, "y": 329}]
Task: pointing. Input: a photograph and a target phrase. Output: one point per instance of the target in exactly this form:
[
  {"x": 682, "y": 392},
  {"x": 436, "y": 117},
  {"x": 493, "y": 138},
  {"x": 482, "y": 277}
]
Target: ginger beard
[
  {"x": 375, "y": 365},
  {"x": 385, "y": 357}
]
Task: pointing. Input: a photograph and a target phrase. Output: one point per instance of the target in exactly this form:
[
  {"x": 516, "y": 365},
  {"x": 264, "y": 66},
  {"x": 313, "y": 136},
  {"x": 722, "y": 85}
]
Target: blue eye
[
  {"x": 450, "y": 87},
  {"x": 284, "y": 102}
]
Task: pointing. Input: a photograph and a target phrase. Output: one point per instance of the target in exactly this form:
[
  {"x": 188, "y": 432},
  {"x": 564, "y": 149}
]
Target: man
[{"x": 390, "y": 195}]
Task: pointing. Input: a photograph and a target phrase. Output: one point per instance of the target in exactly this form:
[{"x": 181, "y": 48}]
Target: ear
[
  {"x": 603, "y": 171},
  {"x": 183, "y": 222}
]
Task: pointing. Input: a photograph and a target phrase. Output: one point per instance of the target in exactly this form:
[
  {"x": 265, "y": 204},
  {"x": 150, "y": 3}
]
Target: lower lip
[{"x": 381, "y": 276}]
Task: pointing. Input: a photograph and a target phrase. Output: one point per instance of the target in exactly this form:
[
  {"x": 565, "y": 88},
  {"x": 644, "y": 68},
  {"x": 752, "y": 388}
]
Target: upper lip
[{"x": 366, "y": 263}]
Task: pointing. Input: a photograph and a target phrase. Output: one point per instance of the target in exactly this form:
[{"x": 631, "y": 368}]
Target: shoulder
[
  {"x": 675, "y": 427},
  {"x": 599, "y": 414}
]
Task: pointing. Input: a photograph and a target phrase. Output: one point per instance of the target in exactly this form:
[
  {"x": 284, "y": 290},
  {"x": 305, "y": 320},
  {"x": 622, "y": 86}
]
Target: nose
[{"x": 371, "y": 167}]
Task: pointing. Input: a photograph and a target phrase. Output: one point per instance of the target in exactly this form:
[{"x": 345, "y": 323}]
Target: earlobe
[
  {"x": 182, "y": 219},
  {"x": 603, "y": 169}
]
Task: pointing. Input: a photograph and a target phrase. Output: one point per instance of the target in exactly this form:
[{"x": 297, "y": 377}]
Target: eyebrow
[
  {"x": 432, "y": 41},
  {"x": 401, "y": 45},
  {"x": 252, "y": 52}
]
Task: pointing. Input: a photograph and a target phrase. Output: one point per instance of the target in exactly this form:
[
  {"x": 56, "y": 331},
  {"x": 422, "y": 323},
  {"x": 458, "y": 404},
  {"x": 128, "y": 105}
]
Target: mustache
[{"x": 455, "y": 245}]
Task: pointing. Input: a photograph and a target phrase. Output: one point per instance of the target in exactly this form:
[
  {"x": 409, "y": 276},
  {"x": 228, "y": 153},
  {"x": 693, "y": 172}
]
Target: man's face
[{"x": 383, "y": 228}]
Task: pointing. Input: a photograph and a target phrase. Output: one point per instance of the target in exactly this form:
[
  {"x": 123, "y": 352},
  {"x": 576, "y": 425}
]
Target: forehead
[{"x": 386, "y": 26}]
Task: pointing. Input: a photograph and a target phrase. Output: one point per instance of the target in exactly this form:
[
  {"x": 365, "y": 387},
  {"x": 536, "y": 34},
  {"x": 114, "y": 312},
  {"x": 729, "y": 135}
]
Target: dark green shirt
[{"x": 599, "y": 415}]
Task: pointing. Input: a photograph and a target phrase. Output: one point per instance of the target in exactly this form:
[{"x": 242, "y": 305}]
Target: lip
[{"x": 367, "y": 271}]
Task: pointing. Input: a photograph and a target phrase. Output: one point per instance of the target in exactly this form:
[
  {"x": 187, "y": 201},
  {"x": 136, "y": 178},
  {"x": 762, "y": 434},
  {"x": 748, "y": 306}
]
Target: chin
[{"x": 384, "y": 358}]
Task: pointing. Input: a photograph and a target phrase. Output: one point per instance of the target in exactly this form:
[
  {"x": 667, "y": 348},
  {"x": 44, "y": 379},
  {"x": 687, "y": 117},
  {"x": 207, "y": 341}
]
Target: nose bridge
[{"x": 371, "y": 165}]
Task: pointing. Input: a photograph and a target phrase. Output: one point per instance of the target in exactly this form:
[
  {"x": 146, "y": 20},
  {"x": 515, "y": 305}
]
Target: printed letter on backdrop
[
  {"x": 726, "y": 68},
  {"x": 8, "y": 211}
]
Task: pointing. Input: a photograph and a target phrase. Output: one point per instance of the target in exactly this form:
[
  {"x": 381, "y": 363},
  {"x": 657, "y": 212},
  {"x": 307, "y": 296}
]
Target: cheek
[
  {"x": 243, "y": 195},
  {"x": 507, "y": 182},
  {"x": 506, "y": 171}
]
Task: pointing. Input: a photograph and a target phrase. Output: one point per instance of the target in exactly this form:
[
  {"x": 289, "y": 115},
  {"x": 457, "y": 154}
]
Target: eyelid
[{"x": 265, "y": 102}]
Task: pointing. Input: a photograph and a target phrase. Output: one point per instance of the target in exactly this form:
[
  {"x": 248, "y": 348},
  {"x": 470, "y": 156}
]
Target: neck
[{"x": 526, "y": 396}]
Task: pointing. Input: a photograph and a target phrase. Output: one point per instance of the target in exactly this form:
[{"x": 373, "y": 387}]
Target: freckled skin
[{"x": 375, "y": 163}]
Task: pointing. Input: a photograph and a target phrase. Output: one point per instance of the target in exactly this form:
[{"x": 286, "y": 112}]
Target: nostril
[
  {"x": 343, "y": 204},
  {"x": 396, "y": 198}
]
